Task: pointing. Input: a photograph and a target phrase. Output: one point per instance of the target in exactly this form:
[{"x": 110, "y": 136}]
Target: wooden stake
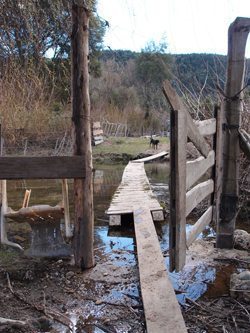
[
  {"x": 177, "y": 231},
  {"x": 237, "y": 38},
  {"x": 83, "y": 188},
  {"x": 65, "y": 193},
  {"x": 26, "y": 199}
]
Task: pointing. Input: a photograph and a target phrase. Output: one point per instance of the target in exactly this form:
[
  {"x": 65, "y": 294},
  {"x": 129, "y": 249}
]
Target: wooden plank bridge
[
  {"x": 134, "y": 196},
  {"x": 133, "y": 192}
]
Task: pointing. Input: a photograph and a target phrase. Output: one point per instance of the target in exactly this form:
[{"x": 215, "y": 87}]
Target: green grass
[{"x": 131, "y": 146}]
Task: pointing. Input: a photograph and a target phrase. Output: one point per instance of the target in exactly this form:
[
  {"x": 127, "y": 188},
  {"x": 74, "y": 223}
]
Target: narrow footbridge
[
  {"x": 133, "y": 192},
  {"x": 134, "y": 196}
]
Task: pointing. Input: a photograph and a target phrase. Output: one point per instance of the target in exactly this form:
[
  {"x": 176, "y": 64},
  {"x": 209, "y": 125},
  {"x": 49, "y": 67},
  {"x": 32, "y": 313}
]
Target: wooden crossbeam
[
  {"x": 195, "y": 136},
  {"x": 54, "y": 167},
  {"x": 197, "y": 194},
  {"x": 197, "y": 168},
  {"x": 245, "y": 142},
  {"x": 192, "y": 130},
  {"x": 199, "y": 226},
  {"x": 206, "y": 127}
]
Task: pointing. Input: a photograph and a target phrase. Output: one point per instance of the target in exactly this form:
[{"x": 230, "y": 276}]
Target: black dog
[{"x": 154, "y": 143}]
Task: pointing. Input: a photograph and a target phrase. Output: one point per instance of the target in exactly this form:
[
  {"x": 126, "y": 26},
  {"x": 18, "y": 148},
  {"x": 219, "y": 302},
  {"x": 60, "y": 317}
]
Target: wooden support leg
[
  {"x": 65, "y": 192},
  {"x": 115, "y": 220},
  {"x": 4, "y": 238},
  {"x": 157, "y": 215}
]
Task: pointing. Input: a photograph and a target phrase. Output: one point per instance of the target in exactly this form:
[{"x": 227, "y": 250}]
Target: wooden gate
[{"x": 186, "y": 192}]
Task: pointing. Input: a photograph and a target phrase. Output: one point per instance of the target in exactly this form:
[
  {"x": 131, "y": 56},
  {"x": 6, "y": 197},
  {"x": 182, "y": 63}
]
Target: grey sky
[{"x": 188, "y": 26}]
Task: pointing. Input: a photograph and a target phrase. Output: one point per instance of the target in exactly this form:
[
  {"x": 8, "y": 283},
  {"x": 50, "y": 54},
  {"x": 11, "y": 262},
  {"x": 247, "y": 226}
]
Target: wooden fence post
[
  {"x": 83, "y": 188},
  {"x": 178, "y": 143},
  {"x": 237, "y": 38}
]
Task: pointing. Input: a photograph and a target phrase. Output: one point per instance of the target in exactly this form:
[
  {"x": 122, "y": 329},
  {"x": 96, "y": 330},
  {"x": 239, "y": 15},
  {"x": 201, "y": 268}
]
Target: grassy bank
[{"x": 128, "y": 146}]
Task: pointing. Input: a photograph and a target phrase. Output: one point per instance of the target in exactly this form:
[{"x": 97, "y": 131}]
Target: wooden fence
[
  {"x": 186, "y": 192},
  {"x": 114, "y": 129}
]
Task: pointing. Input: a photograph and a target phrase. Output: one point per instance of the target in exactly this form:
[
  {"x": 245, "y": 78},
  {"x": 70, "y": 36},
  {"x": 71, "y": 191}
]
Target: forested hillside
[
  {"x": 195, "y": 76},
  {"x": 126, "y": 87}
]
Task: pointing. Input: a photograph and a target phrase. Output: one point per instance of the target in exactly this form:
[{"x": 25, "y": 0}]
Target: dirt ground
[{"x": 53, "y": 296}]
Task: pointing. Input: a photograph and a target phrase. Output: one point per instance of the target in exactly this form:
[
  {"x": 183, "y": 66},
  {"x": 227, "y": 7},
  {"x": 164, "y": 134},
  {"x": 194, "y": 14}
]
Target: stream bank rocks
[
  {"x": 241, "y": 239},
  {"x": 240, "y": 285}
]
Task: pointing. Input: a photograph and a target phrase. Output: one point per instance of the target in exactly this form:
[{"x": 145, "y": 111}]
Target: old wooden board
[
  {"x": 161, "y": 308},
  {"x": 177, "y": 228},
  {"x": 206, "y": 127},
  {"x": 192, "y": 130},
  {"x": 197, "y": 168},
  {"x": 133, "y": 191},
  {"x": 53, "y": 167},
  {"x": 199, "y": 226},
  {"x": 197, "y": 194},
  {"x": 151, "y": 158}
]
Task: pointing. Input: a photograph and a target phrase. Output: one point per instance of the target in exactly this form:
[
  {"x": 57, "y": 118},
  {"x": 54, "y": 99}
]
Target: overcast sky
[{"x": 188, "y": 26}]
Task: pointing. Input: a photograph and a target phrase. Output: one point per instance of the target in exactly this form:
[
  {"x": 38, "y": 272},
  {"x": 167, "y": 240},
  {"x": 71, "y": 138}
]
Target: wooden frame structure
[
  {"x": 223, "y": 157},
  {"x": 185, "y": 193},
  {"x": 79, "y": 167}
]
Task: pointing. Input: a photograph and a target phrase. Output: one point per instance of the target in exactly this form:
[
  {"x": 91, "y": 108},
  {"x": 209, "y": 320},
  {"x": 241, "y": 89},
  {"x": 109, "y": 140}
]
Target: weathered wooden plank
[
  {"x": 161, "y": 309},
  {"x": 245, "y": 142},
  {"x": 219, "y": 113},
  {"x": 178, "y": 143},
  {"x": 38, "y": 213},
  {"x": 171, "y": 96},
  {"x": 199, "y": 226},
  {"x": 192, "y": 131},
  {"x": 151, "y": 158},
  {"x": 98, "y": 142},
  {"x": 197, "y": 194},
  {"x": 197, "y": 168},
  {"x": 96, "y": 125},
  {"x": 206, "y": 127},
  {"x": 97, "y": 132},
  {"x": 133, "y": 190},
  {"x": 195, "y": 136},
  {"x": 115, "y": 220},
  {"x": 54, "y": 167}
]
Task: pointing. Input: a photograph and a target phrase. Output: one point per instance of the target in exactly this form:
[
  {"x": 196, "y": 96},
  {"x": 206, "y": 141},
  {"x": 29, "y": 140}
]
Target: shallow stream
[{"x": 191, "y": 283}]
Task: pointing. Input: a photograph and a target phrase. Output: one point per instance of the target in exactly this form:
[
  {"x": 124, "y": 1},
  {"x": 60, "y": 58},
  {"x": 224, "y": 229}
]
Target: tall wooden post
[
  {"x": 237, "y": 38},
  {"x": 83, "y": 188}
]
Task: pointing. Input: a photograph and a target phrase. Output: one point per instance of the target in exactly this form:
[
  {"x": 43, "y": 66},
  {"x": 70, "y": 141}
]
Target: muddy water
[{"x": 191, "y": 283}]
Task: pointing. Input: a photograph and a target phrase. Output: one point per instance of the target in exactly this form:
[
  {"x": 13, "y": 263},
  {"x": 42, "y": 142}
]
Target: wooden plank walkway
[
  {"x": 161, "y": 308},
  {"x": 134, "y": 195},
  {"x": 133, "y": 191}
]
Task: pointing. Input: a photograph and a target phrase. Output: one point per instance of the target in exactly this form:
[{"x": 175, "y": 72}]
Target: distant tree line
[{"x": 125, "y": 85}]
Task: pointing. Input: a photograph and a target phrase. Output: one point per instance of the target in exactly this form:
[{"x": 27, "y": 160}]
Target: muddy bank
[{"x": 54, "y": 296}]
